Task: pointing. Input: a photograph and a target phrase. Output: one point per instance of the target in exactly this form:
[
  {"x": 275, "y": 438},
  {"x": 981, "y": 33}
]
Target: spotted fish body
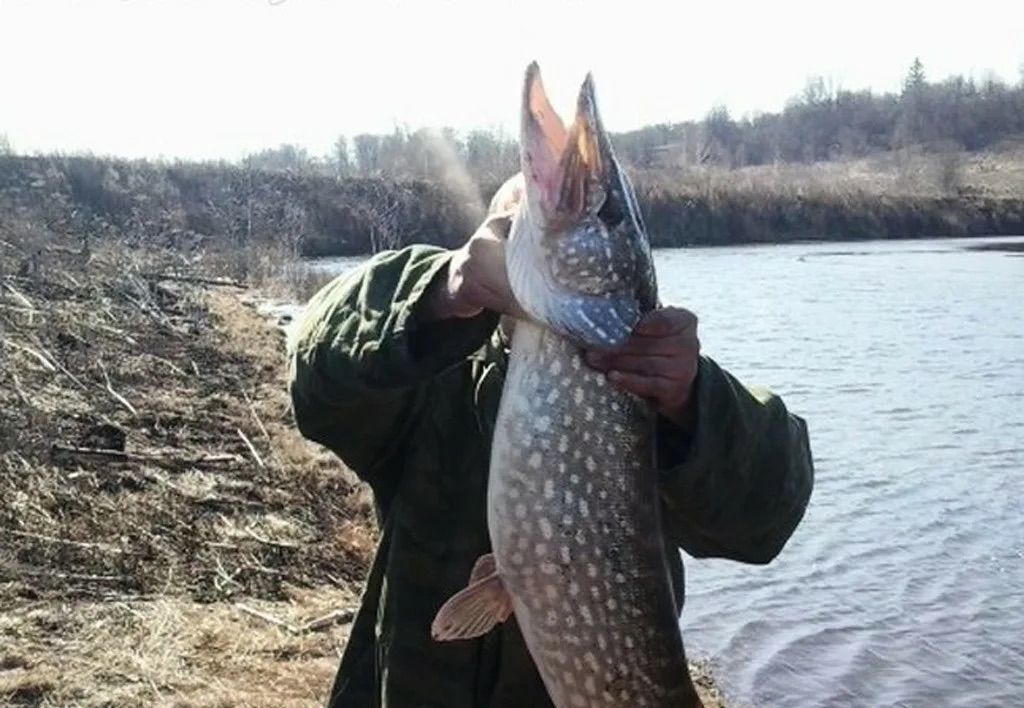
[{"x": 573, "y": 506}]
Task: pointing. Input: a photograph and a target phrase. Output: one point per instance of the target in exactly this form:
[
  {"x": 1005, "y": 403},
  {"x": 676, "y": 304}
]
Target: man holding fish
[{"x": 541, "y": 439}]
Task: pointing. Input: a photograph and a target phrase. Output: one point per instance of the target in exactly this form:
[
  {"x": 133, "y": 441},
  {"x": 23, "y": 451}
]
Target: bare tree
[
  {"x": 342, "y": 161},
  {"x": 367, "y": 154},
  {"x": 281, "y": 158}
]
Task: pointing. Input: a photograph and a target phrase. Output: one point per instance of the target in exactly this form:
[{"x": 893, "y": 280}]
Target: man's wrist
[
  {"x": 443, "y": 301},
  {"x": 435, "y": 303},
  {"x": 683, "y": 416}
]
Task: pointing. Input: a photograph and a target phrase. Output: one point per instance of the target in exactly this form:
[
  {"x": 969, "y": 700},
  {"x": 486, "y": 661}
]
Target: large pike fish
[{"x": 573, "y": 505}]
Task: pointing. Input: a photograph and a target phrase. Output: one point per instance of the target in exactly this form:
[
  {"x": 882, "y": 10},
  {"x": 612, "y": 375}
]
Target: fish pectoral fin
[{"x": 474, "y": 611}]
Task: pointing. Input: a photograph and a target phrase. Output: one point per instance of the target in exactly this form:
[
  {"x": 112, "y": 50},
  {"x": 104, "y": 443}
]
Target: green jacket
[{"x": 410, "y": 407}]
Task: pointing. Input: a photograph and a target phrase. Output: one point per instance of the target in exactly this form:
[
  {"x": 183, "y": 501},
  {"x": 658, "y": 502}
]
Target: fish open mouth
[
  {"x": 566, "y": 168},
  {"x": 579, "y": 260}
]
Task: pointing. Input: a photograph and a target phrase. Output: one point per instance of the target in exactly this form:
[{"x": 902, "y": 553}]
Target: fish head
[{"x": 578, "y": 257}]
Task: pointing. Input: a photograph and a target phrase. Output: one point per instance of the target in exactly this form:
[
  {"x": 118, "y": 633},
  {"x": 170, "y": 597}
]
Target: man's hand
[
  {"x": 658, "y": 362},
  {"x": 477, "y": 278}
]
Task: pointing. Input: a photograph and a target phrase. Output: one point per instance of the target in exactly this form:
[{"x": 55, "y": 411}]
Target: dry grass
[
  {"x": 122, "y": 572},
  {"x": 174, "y": 652},
  {"x": 169, "y": 651},
  {"x": 219, "y": 494},
  {"x": 901, "y": 173}
]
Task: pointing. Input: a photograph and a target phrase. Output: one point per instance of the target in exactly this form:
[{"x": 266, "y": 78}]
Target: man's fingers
[
  {"x": 655, "y": 388},
  {"x": 678, "y": 367},
  {"x": 683, "y": 344},
  {"x": 665, "y": 322}
]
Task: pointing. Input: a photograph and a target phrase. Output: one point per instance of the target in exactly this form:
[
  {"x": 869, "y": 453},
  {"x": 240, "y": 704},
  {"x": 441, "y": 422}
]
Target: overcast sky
[{"x": 218, "y": 78}]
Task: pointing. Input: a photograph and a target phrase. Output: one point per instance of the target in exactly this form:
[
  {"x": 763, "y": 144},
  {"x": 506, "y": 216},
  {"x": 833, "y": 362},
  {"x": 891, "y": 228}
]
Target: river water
[{"x": 904, "y": 585}]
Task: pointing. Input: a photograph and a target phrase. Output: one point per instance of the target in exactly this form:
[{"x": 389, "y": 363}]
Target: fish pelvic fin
[
  {"x": 485, "y": 565},
  {"x": 474, "y": 611}
]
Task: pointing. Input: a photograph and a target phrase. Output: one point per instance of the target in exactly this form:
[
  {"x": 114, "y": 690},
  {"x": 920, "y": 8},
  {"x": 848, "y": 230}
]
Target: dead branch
[
  {"x": 253, "y": 612},
  {"x": 21, "y": 308},
  {"x": 221, "y": 544},
  {"x": 63, "y": 369},
  {"x": 270, "y": 542},
  {"x": 198, "y": 280},
  {"x": 255, "y": 415},
  {"x": 105, "y": 547},
  {"x": 19, "y": 296},
  {"x": 112, "y": 330},
  {"x": 222, "y": 574},
  {"x": 170, "y": 364},
  {"x": 252, "y": 448},
  {"x": 117, "y": 396},
  {"x": 160, "y": 459},
  {"x": 220, "y": 501},
  {"x": 254, "y": 564},
  {"x": 74, "y": 282},
  {"x": 29, "y": 350},
  {"x": 343, "y": 616},
  {"x": 18, "y": 389},
  {"x": 58, "y": 575}
]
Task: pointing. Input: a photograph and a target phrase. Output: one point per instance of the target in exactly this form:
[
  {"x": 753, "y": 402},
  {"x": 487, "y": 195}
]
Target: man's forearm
[{"x": 737, "y": 483}]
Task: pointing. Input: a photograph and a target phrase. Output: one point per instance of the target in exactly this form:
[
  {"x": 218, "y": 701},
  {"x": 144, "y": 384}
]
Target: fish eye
[
  {"x": 633, "y": 207},
  {"x": 611, "y": 212}
]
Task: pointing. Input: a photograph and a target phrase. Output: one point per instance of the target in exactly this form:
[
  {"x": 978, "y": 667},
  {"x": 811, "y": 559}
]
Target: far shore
[{"x": 308, "y": 214}]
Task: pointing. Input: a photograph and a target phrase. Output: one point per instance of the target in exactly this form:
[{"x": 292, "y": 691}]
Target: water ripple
[{"x": 905, "y": 583}]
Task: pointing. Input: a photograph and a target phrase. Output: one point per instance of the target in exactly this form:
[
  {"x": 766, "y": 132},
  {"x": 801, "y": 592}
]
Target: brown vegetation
[
  {"x": 155, "y": 498},
  {"x": 186, "y": 207},
  {"x": 899, "y": 194}
]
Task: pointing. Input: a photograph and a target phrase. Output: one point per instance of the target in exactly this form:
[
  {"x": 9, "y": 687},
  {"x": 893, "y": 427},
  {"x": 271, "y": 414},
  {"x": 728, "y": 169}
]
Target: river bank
[
  {"x": 311, "y": 214},
  {"x": 170, "y": 539}
]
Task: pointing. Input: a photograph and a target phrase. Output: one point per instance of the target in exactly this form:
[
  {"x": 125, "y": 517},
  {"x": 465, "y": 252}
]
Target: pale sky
[{"x": 219, "y": 78}]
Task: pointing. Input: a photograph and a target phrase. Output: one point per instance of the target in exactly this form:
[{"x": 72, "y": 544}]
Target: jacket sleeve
[
  {"x": 737, "y": 484},
  {"x": 361, "y": 356}
]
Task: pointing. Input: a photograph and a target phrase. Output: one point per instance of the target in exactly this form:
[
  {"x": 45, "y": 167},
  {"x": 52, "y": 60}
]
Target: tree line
[
  {"x": 824, "y": 122},
  {"x": 828, "y": 123}
]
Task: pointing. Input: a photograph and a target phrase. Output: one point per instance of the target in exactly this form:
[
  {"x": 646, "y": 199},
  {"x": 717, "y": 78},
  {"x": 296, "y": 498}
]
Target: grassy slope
[
  {"x": 996, "y": 174},
  {"x": 892, "y": 195}
]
